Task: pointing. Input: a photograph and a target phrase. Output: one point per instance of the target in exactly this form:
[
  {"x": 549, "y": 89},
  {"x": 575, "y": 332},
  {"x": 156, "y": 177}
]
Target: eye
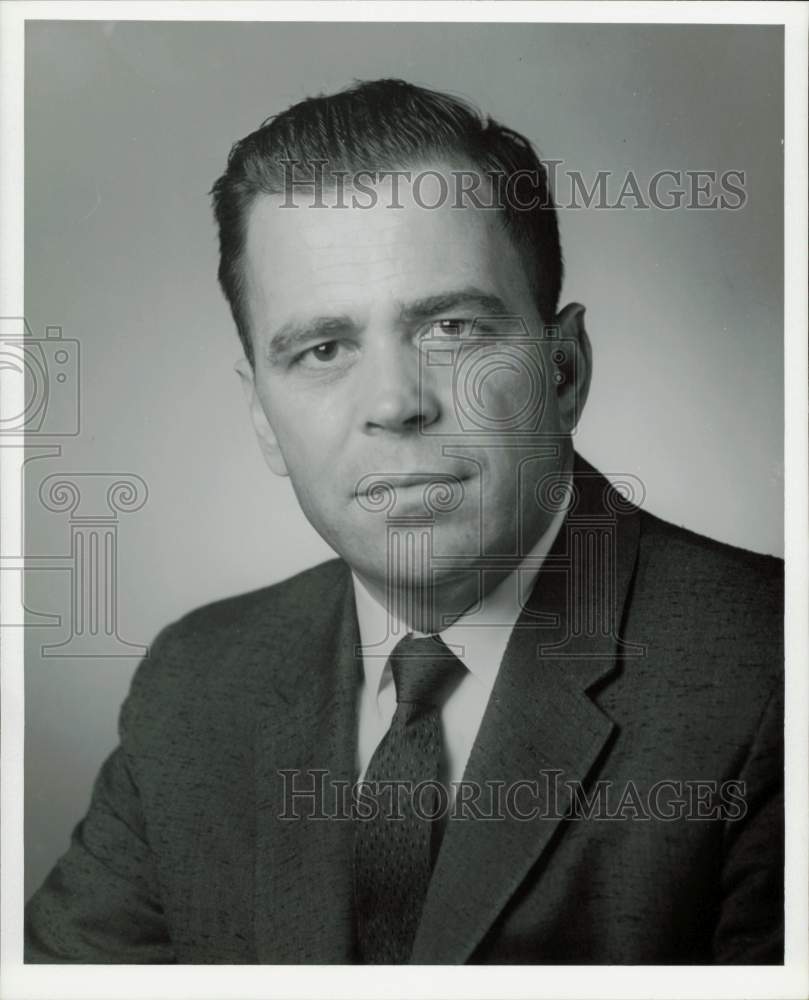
[
  {"x": 324, "y": 352},
  {"x": 320, "y": 354},
  {"x": 451, "y": 327},
  {"x": 326, "y": 359}
]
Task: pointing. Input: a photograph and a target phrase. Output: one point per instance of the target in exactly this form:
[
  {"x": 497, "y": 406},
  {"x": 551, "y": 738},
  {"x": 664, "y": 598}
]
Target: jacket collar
[
  {"x": 306, "y": 740},
  {"x": 540, "y": 724}
]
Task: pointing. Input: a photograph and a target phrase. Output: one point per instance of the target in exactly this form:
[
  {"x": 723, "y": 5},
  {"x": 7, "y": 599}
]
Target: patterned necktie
[{"x": 393, "y": 856}]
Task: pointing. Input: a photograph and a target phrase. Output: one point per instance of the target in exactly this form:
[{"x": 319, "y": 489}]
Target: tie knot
[{"x": 423, "y": 667}]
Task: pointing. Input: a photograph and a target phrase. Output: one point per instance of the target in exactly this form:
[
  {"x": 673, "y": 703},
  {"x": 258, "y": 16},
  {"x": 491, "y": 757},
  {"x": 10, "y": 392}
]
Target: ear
[
  {"x": 264, "y": 432},
  {"x": 573, "y": 365}
]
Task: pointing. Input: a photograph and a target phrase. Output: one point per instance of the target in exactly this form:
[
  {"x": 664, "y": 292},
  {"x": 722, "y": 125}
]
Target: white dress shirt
[{"x": 479, "y": 640}]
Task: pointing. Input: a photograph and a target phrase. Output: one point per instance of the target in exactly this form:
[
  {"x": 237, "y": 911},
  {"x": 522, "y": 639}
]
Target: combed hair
[{"x": 383, "y": 125}]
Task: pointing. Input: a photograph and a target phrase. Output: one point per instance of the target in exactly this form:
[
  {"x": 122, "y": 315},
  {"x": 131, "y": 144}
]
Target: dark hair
[{"x": 384, "y": 125}]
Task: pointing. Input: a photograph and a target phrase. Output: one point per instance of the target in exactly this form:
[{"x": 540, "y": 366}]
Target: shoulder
[
  {"x": 700, "y": 687},
  {"x": 299, "y": 599},
  {"x": 675, "y": 561},
  {"x": 230, "y": 648},
  {"x": 681, "y": 557},
  {"x": 709, "y": 609},
  {"x": 678, "y": 571}
]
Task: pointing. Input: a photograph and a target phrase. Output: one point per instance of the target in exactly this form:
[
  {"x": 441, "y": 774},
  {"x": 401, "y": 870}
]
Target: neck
[{"x": 434, "y": 607}]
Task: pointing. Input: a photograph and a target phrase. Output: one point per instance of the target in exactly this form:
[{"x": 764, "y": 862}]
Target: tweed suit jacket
[{"x": 653, "y": 678}]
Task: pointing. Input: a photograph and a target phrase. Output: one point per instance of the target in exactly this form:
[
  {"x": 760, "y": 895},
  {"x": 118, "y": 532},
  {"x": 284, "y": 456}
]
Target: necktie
[{"x": 393, "y": 856}]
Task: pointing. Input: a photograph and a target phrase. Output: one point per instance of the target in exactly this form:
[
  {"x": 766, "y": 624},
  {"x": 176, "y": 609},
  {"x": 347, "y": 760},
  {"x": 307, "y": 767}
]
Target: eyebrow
[
  {"x": 469, "y": 297},
  {"x": 298, "y": 333}
]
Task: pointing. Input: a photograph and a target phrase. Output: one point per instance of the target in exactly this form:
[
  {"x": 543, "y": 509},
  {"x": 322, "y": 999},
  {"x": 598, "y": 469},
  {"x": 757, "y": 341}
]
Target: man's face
[{"x": 343, "y": 304}]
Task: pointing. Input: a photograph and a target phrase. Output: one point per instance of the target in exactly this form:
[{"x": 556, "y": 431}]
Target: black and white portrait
[{"x": 401, "y": 436}]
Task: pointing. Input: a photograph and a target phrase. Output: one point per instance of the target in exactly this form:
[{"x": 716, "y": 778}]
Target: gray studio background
[{"x": 126, "y": 127}]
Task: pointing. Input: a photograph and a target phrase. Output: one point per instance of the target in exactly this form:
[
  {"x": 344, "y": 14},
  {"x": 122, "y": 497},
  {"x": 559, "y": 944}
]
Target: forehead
[{"x": 317, "y": 258}]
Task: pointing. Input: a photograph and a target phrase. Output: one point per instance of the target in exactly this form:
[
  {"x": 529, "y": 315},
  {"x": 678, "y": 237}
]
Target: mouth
[
  {"x": 425, "y": 478},
  {"x": 374, "y": 483}
]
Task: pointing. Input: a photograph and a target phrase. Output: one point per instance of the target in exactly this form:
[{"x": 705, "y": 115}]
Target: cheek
[
  {"x": 310, "y": 440},
  {"x": 295, "y": 423},
  {"x": 312, "y": 477},
  {"x": 508, "y": 389},
  {"x": 309, "y": 410},
  {"x": 311, "y": 468}
]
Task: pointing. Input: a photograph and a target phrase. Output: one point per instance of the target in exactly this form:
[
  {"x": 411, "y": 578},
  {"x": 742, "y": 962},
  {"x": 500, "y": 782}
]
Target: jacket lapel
[
  {"x": 304, "y": 889},
  {"x": 540, "y": 724}
]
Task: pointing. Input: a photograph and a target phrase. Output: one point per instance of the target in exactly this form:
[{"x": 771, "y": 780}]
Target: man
[{"x": 566, "y": 713}]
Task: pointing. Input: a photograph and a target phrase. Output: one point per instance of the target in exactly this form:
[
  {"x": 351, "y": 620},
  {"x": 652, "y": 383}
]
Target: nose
[{"x": 401, "y": 397}]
